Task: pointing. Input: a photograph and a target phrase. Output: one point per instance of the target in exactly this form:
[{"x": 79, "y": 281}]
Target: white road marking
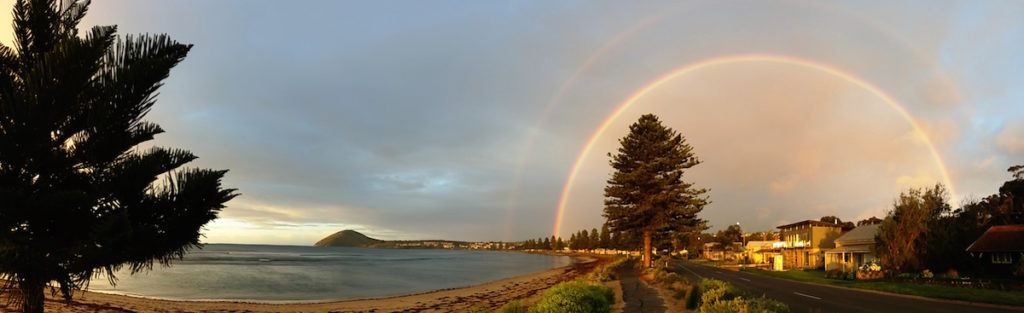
[
  {"x": 806, "y": 295},
  {"x": 743, "y": 278}
]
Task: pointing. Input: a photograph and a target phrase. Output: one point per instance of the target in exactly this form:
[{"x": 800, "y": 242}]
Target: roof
[
  {"x": 861, "y": 234},
  {"x": 812, "y": 223},
  {"x": 853, "y": 249},
  {"x": 759, "y": 245},
  {"x": 1004, "y": 238}
]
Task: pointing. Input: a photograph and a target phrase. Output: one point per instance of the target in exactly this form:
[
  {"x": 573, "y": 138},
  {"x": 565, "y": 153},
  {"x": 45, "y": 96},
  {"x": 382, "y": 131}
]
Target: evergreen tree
[
  {"x": 605, "y": 238},
  {"x": 647, "y": 193},
  {"x": 79, "y": 198},
  {"x": 594, "y": 239}
]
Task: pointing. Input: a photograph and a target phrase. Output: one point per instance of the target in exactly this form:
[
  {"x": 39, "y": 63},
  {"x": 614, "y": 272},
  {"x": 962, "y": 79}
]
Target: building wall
[{"x": 812, "y": 255}]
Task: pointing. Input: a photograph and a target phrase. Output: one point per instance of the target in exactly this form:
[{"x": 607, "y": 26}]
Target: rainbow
[{"x": 733, "y": 59}]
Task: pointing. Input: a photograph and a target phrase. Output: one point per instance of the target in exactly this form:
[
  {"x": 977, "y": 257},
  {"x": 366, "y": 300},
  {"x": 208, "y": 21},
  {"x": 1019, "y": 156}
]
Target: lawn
[
  {"x": 1015, "y": 298},
  {"x": 712, "y": 262}
]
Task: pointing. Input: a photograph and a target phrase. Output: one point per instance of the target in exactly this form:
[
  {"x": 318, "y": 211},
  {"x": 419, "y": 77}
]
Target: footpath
[{"x": 637, "y": 294}]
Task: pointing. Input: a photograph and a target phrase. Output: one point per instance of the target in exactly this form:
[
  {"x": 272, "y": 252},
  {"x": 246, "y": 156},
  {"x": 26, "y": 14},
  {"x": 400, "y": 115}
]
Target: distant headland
[{"x": 351, "y": 238}]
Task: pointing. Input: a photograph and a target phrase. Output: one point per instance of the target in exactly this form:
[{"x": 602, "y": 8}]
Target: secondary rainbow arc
[{"x": 732, "y": 59}]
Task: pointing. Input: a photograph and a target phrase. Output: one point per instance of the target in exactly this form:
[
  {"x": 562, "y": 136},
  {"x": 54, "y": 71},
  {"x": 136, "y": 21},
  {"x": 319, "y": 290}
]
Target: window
[{"x": 1001, "y": 258}]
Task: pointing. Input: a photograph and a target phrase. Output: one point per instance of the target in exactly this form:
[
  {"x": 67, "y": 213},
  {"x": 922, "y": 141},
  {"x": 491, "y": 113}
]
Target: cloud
[
  {"x": 1011, "y": 139},
  {"x": 411, "y": 120}
]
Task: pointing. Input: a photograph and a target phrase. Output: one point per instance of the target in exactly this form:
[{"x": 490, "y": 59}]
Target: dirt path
[{"x": 638, "y": 295}]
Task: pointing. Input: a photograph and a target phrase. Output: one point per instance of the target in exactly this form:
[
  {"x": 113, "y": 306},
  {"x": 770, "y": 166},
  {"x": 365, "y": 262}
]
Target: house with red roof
[{"x": 1000, "y": 246}]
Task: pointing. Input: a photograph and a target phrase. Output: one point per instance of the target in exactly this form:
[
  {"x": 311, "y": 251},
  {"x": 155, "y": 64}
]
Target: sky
[{"x": 464, "y": 120}]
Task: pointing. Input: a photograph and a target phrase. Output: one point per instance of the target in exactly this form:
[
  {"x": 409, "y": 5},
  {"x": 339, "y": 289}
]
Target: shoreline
[{"x": 491, "y": 294}]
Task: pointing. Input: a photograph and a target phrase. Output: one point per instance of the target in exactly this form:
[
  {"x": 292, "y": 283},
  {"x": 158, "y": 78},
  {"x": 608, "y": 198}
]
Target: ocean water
[{"x": 305, "y": 274}]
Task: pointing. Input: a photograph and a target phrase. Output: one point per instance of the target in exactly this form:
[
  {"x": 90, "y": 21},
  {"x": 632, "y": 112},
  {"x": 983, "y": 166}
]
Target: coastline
[{"x": 492, "y": 294}]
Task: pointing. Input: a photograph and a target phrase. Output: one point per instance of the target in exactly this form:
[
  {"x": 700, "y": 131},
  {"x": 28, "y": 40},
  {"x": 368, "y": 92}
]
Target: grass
[
  {"x": 708, "y": 262},
  {"x": 1015, "y": 298}
]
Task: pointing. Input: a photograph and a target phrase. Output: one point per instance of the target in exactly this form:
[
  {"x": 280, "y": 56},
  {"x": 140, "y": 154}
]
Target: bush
[
  {"x": 679, "y": 294},
  {"x": 833, "y": 273},
  {"x": 849, "y": 275},
  {"x": 515, "y": 306},
  {"x": 952, "y": 273},
  {"x": 575, "y": 297},
  {"x": 927, "y": 274},
  {"x": 741, "y": 305},
  {"x": 1018, "y": 269},
  {"x": 713, "y": 290},
  {"x": 607, "y": 271},
  {"x": 668, "y": 277},
  {"x": 869, "y": 275},
  {"x": 479, "y": 309},
  {"x": 719, "y": 296},
  {"x": 693, "y": 297}
]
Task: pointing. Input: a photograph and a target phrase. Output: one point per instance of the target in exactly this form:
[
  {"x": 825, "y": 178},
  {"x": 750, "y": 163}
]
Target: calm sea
[{"x": 299, "y": 274}]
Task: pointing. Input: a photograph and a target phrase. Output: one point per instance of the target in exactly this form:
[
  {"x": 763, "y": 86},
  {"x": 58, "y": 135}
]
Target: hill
[
  {"x": 351, "y": 238},
  {"x": 347, "y": 238}
]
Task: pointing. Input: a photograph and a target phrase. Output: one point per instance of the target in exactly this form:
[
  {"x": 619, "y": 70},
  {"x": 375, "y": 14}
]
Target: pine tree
[
  {"x": 79, "y": 198},
  {"x": 606, "y": 239},
  {"x": 647, "y": 193}
]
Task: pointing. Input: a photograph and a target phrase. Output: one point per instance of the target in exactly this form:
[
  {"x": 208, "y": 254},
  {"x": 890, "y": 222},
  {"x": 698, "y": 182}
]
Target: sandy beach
[{"x": 492, "y": 295}]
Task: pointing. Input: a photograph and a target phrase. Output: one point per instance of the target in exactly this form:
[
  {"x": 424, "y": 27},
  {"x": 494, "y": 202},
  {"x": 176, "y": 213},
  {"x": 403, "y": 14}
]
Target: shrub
[
  {"x": 713, "y": 290},
  {"x": 833, "y": 273},
  {"x": 927, "y": 274},
  {"x": 668, "y": 277},
  {"x": 869, "y": 275},
  {"x": 607, "y": 271},
  {"x": 741, "y": 305},
  {"x": 575, "y": 297},
  {"x": 693, "y": 297},
  {"x": 849, "y": 276},
  {"x": 479, "y": 309},
  {"x": 952, "y": 273},
  {"x": 679, "y": 294},
  {"x": 1018, "y": 269},
  {"x": 719, "y": 296},
  {"x": 515, "y": 306}
]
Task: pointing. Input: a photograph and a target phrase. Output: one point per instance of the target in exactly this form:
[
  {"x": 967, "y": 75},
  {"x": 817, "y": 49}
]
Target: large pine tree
[
  {"x": 79, "y": 197},
  {"x": 646, "y": 193}
]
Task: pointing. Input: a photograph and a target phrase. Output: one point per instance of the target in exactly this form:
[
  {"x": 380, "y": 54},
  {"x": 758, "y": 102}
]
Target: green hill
[{"x": 347, "y": 238}]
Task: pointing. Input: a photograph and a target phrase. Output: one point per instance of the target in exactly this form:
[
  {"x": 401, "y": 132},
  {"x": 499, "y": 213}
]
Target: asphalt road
[{"x": 803, "y": 297}]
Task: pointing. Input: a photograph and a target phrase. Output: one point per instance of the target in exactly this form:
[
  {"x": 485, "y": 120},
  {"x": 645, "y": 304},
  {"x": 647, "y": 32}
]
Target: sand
[{"x": 490, "y": 295}]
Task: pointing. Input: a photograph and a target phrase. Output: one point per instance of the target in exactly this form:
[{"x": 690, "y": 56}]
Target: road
[{"x": 804, "y": 297}]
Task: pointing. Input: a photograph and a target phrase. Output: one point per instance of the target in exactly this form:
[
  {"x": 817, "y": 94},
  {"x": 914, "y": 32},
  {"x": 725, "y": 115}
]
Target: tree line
[
  {"x": 923, "y": 231},
  {"x": 583, "y": 240}
]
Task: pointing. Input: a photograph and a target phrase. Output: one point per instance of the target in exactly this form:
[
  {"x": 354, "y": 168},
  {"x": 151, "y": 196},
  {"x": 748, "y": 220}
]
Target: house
[
  {"x": 716, "y": 252},
  {"x": 713, "y": 251},
  {"x": 805, "y": 243},
  {"x": 1000, "y": 247},
  {"x": 761, "y": 252},
  {"x": 853, "y": 249}
]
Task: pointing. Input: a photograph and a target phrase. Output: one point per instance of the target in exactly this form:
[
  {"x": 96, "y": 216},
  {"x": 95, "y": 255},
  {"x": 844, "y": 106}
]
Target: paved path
[
  {"x": 804, "y": 297},
  {"x": 639, "y": 297}
]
